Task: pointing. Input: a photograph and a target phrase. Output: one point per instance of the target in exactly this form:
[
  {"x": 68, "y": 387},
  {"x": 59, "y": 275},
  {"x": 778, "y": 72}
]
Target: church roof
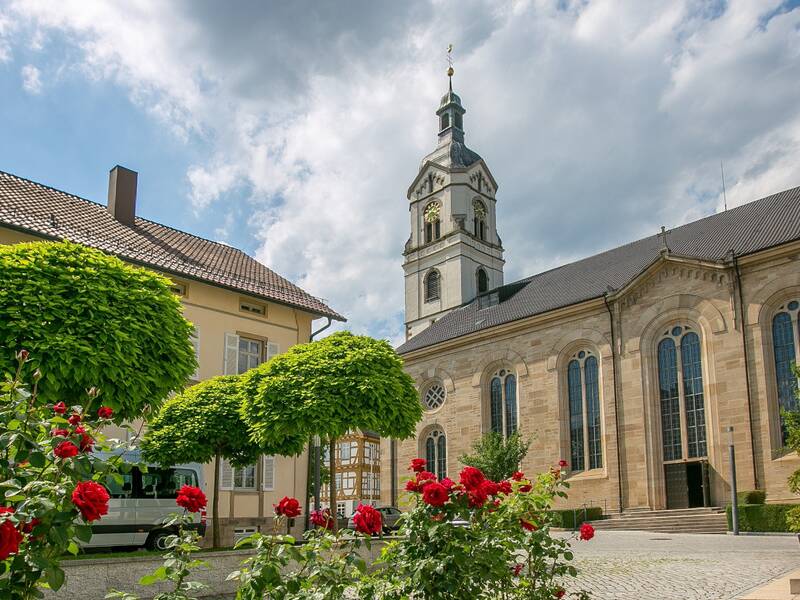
[
  {"x": 50, "y": 213},
  {"x": 452, "y": 155},
  {"x": 749, "y": 228}
]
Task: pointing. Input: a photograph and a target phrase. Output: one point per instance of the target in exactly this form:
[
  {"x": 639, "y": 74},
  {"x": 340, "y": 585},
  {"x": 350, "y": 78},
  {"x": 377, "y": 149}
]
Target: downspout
[
  {"x": 320, "y": 330},
  {"x": 746, "y": 367},
  {"x": 616, "y": 404},
  {"x": 393, "y": 471}
]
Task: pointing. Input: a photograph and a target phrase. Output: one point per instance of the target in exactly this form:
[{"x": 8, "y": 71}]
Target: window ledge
[
  {"x": 592, "y": 474},
  {"x": 787, "y": 457}
]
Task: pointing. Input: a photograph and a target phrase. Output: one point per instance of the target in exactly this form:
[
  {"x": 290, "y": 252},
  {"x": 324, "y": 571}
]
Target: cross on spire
[{"x": 450, "y": 69}]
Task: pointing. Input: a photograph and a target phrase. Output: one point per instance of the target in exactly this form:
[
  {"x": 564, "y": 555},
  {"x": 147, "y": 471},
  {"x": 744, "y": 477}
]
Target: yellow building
[{"x": 243, "y": 312}]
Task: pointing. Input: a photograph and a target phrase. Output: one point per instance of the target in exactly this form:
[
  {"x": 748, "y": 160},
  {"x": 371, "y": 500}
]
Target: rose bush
[
  {"x": 477, "y": 539},
  {"x": 51, "y": 481}
]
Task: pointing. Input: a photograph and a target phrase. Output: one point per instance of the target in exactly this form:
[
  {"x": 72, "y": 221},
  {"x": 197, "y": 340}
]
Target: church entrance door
[{"x": 687, "y": 484}]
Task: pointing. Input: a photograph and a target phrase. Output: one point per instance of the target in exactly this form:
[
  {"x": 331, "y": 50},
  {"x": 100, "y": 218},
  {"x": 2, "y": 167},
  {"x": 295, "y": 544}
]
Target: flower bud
[
  {"x": 93, "y": 392},
  {"x": 22, "y": 355},
  {"x": 37, "y": 375}
]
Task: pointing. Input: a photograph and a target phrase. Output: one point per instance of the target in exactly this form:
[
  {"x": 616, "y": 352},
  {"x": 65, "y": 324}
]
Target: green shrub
[
  {"x": 90, "y": 320},
  {"x": 567, "y": 518},
  {"x": 761, "y": 517},
  {"x": 752, "y": 497}
]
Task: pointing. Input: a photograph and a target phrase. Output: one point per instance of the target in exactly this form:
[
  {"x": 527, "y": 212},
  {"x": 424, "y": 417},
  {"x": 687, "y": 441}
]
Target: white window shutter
[
  {"x": 195, "y": 339},
  {"x": 231, "y": 366},
  {"x": 272, "y": 350},
  {"x": 268, "y": 479},
  {"x": 225, "y": 475}
]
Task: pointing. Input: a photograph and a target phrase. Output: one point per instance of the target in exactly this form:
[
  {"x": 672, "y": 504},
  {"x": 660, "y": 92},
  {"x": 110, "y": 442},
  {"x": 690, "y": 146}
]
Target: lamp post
[{"x": 734, "y": 503}]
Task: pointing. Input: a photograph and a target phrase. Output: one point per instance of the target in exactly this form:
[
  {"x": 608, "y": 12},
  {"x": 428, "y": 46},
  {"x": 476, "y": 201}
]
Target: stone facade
[{"x": 698, "y": 296}]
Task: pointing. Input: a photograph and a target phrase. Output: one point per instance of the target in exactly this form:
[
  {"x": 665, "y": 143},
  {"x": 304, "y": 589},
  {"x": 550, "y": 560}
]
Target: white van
[{"x": 139, "y": 507}]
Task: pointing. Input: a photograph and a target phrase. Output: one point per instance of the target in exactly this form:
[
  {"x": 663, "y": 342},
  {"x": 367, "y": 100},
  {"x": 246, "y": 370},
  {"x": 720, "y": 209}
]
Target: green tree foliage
[
  {"x": 89, "y": 319},
  {"x": 328, "y": 388},
  {"x": 791, "y": 421},
  {"x": 497, "y": 457},
  {"x": 201, "y": 424}
]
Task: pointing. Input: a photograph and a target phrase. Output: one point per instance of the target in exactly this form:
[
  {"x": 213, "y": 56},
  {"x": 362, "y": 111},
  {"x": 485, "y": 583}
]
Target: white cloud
[
  {"x": 600, "y": 120},
  {"x": 31, "y": 79}
]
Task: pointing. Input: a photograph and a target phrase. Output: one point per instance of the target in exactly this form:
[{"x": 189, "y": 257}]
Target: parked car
[
  {"x": 140, "y": 505},
  {"x": 389, "y": 517}
]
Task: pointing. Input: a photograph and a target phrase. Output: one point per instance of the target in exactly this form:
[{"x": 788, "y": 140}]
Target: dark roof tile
[{"x": 48, "y": 212}]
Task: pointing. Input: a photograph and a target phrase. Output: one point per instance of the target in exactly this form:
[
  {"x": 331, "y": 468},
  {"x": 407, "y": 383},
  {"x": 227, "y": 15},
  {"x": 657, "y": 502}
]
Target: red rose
[
  {"x": 435, "y": 494},
  {"x": 471, "y": 478},
  {"x": 288, "y": 507},
  {"x": 191, "y": 498},
  {"x": 60, "y": 408},
  {"x": 10, "y": 536},
  {"x": 425, "y": 478},
  {"x": 518, "y": 476},
  {"x": 418, "y": 464},
  {"x": 60, "y": 433},
  {"x": 367, "y": 520},
  {"x": 527, "y": 525},
  {"x": 91, "y": 499},
  {"x": 447, "y": 482},
  {"x": 517, "y": 569},
  {"x": 504, "y": 487},
  {"x": 74, "y": 419},
  {"x": 587, "y": 532},
  {"x": 490, "y": 488},
  {"x": 322, "y": 518},
  {"x": 524, "y": 489},
  {"x": 65, "y": 450},
  {"x": 29, "y": 527},
  {"x": 476, "y": 497},
  {"x": 562, "y": 463},
  {"x": 87, "y": 441},
  {"x": 560, "y": 593},
  {"x": 104, "y": 412},
  {"x": 411, "y": 486}
]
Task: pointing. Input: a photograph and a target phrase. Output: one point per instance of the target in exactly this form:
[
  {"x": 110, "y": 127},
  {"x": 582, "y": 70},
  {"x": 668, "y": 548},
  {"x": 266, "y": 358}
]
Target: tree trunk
[
  {"x": 332, "y": 454},
  {"x": 215, "y": 507}
]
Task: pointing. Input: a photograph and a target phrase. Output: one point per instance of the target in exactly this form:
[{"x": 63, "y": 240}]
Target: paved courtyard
[{"x": 635, "y": 565}]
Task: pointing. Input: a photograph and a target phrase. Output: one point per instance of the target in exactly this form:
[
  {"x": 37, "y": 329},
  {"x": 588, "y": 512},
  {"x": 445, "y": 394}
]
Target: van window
[
  {"x": 165, "y": 483},
  {"x": 124, "y": 490}
]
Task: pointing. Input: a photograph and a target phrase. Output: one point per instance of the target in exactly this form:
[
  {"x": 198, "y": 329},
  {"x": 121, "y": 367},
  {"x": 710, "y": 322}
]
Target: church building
[{"x": 638, "y": 366}]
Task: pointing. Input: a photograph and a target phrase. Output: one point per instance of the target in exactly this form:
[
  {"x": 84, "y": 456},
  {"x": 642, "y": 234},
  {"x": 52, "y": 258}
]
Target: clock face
[
  {"x": 432, "y": 212},
  {"x": 479, "y": 208}
]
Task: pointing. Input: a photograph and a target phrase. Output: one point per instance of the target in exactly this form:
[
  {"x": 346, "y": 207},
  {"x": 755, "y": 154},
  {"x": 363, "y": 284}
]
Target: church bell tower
[{"x": 454, "y": 252}]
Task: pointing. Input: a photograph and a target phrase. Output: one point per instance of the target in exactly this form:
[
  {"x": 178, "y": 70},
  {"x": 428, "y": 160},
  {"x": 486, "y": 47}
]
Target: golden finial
[{"x": 450, "y": 70}]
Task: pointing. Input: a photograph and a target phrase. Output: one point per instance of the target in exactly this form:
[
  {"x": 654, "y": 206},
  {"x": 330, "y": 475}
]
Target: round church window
[
  {"x": 434, "y": 396},
  {"x": 793, "y": 305},
  {"x": 676, "y": 331}
]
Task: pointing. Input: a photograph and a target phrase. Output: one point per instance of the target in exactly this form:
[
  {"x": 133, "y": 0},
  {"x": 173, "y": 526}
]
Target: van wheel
[{"x": 157, "y": 540}]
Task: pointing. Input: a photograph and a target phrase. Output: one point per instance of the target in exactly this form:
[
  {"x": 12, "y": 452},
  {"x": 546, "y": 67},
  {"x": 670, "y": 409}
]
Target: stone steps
[{"x": 691, "y": 520}]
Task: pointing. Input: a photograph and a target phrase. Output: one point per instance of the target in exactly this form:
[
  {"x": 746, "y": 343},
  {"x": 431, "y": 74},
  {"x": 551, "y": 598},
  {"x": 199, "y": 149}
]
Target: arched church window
[
  {"x": 483, "y": 281},
  {"x": 434, "y": 396},
  {"x": 680, "y": 380},
  {"x": 503, "y": 403},
  {"x": 436, "y": 453},
  {"x": 433, "y": 227},
  {"x": 479, "y": 219},
  {"x": 784, "y": 346},
  {"x": 583, "y": 389},
  {"x": 432, "y": 285}
]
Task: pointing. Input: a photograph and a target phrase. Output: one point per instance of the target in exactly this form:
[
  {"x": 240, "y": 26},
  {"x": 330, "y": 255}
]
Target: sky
[{"x": 292, "y": 130}]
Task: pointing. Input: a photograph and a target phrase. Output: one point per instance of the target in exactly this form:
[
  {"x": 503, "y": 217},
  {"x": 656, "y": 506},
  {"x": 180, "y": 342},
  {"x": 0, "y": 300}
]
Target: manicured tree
[
  {"x": 497, "y": 457},
  {"x": 327, "y": 388},
  {"x": 202, "y": 424},
  {"x": 90, "y": 320}
]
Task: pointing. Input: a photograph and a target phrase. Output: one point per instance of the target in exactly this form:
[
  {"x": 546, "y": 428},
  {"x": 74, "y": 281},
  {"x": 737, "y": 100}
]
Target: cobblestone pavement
[{"x": 636, "y": 565}]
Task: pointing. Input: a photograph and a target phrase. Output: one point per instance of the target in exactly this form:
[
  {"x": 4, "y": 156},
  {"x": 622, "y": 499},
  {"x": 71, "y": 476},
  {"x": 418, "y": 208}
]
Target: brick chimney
[{"x": 122, "y": 194}]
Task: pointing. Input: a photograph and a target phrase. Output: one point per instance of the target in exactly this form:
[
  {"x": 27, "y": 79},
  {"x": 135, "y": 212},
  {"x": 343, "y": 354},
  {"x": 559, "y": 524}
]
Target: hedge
[
  {"x": 567, "y": 518},
  {"x": 751, "y": 497},
  {"x": 761, "y": 517}
]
